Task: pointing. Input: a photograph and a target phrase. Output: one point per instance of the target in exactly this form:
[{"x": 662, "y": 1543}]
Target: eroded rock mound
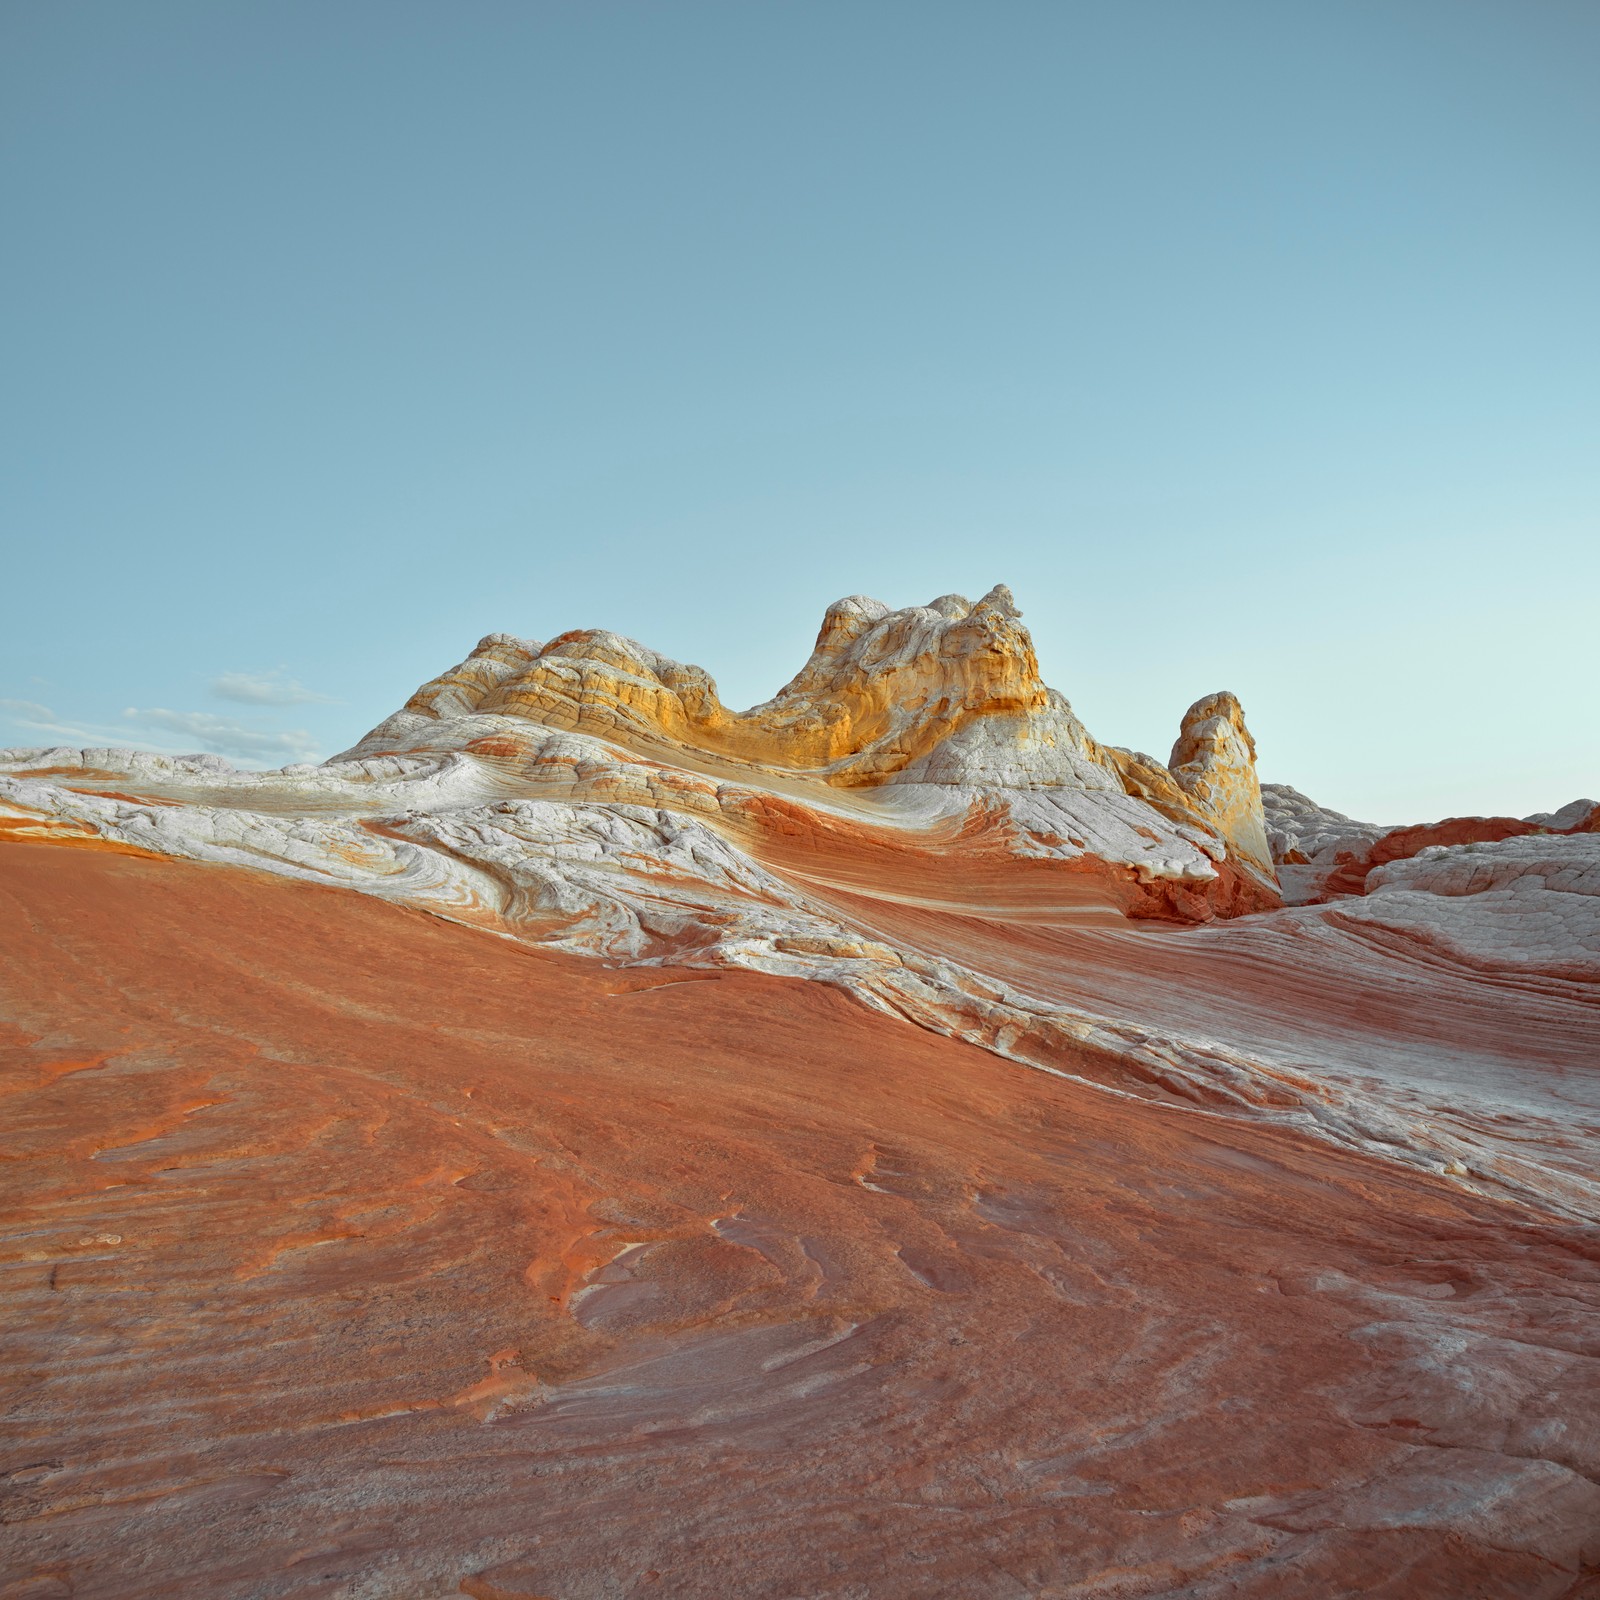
[
  {"x": 1299, "y": 830},
  {"x": 1322, "y": 854},
  {"x": 880, "y": 690},
  {"x": 926, "y": 720}
]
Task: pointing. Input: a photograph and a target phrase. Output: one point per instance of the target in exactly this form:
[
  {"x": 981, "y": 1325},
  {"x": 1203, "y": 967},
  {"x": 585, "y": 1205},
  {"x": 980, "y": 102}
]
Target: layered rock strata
[
  {"x": 927, "y": 718},
  {"x": 351, "y": 1252},
  {"x": 914, "y": 830},
  {"x": 1322, "y": 855}
]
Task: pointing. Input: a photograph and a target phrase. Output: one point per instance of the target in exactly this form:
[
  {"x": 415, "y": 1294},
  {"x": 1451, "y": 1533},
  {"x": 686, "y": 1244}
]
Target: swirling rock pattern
[{"x": 881, "y": 1143}]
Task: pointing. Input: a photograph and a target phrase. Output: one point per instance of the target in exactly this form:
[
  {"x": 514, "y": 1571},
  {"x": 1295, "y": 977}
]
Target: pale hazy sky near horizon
[{"x": 1254, "y": 345}]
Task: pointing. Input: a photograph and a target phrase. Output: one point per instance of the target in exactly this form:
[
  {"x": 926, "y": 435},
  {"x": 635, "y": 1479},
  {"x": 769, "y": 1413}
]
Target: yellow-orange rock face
[
  {"x": 880, "y": 690},
  {"x": 1214, "y": 763}
]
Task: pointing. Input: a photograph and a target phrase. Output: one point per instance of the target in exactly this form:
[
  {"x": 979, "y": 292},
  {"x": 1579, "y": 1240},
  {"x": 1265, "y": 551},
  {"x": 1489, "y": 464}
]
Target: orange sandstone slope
[
  {"x": 918, "y": 820},
  {"x": 353, "y": 1253},
  {"x": 883, "y": 1142}
]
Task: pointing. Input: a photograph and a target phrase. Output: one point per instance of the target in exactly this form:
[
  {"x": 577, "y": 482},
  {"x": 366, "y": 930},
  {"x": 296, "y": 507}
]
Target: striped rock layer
[{"x": 881, "y": 1142}]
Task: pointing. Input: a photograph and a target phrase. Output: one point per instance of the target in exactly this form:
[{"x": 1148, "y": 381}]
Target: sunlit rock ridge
[
  {"x": 896, "y": 1030},
  {"x": 925, "y": 718}
]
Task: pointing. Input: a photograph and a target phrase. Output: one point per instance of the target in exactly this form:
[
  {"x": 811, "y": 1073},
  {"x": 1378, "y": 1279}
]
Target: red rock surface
[
  {"x": 354, "y": 1253},
  {"x": 1400, "y": 844}
]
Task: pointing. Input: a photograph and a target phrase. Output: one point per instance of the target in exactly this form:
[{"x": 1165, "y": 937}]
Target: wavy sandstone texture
[{"x": 895, "y": 1146}]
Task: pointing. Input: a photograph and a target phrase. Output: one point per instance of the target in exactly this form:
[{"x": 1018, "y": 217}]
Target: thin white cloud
[
  {"x": 36, "y": 718},
  {"x": 26, "y": 710},
  {"x": 225, "y": 737},
  {"x": 266, "y": 689},
  {"x": 253, "y": 747}
]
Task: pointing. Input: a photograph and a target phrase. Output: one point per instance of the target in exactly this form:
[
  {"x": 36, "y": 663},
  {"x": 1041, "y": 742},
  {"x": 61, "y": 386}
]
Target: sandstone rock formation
[
  {"x": 1214, "y": 763},
  {"x": 894, "y": 1145},
  {"x": 1323, "y": 854},
  {"x": 882, "y": 689},
  {"x": 928, "y": 717},
  {"x": 1299, "y": 830}
]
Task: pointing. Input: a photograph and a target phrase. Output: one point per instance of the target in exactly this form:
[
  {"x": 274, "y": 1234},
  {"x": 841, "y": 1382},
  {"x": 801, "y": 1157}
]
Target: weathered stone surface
[
  {"x": 882, "y": 688},
  {"x": 1299, "y": 830},
  {"x": 945, "y": 697},
  {"x": 1526, "y": 904},
  {"x": 1214, "y": 763},
  {"x": 1323, "y": 854},
  {"x": 380, "y": 1255},
  {"x": 355, "y": 1253}
]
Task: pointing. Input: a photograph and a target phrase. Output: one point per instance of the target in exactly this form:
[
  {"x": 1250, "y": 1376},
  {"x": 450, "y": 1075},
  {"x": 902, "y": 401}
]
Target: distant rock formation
[
  {"x": 929, "y": 710},
  {"x": 881, "y": 690},
  {"x": 1298, "y": 829},
  {"x": 1323, "y": 854}
]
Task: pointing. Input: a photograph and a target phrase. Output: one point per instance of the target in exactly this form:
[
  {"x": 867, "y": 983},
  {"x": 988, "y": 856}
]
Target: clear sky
[{"x": 1254, "y": 345}]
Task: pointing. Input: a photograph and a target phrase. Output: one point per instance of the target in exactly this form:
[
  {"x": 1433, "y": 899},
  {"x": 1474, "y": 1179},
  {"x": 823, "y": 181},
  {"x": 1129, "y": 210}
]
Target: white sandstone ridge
[
  {"x": 1299, "y": 830},
  {"x": 1322, "y": 854},
  {"x": 928, "y": 715}
]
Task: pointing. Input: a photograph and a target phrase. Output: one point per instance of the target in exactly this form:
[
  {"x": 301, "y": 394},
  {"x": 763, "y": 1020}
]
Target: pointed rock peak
[
  {"x": 1196, "y": 730},
  {"x": 922, "y": 668},
  {"x": 507, "y": 646},
  {"x": 844, "y": 622},
  {"x": 859, "y": 606},
  {"x": 999, "y": 599},
  {"x": 1214, "y": 763}
]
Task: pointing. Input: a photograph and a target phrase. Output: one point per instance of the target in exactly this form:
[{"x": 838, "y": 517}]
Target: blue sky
[{"x": 1254, "y": 345}]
